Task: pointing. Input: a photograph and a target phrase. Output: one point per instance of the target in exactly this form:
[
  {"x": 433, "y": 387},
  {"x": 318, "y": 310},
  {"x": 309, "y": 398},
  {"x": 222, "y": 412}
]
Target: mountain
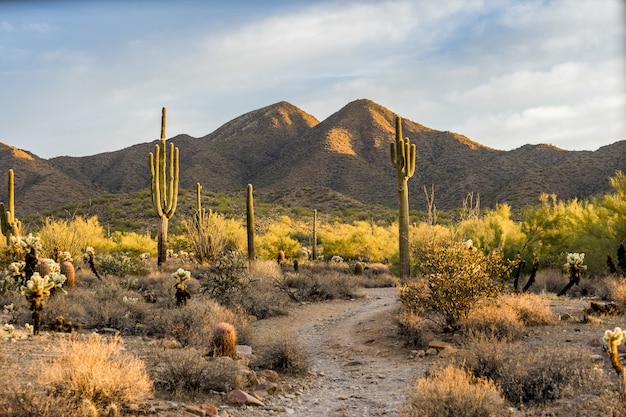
[{"x": 292, "y": 158}]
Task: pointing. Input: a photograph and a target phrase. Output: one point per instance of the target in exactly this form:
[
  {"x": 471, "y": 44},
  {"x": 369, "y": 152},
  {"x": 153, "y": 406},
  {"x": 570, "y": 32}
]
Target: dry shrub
[
  {"x": 498, "y": 321},
  {"x": 549, "y": 280},
  {"x": 617, "y": 290},
  {"x": 532, "y": 376},
  {"x": 187, "y": 372},
  {"x": 261, "y": 299},
  {"x": 224, "y": 340},
  {"x": 414, "y": 329},
  {"x": 192, "y": 324},
  {"x": 96, "y": 370},
  {"x": 309, "y": 286},
  {"x": 282, "y": 353},
  {"x": 532, "y": 309},
  {"x": 453, "y": 392}
]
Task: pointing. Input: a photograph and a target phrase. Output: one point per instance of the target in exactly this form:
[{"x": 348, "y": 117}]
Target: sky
[{"x": 84, "y": 77}]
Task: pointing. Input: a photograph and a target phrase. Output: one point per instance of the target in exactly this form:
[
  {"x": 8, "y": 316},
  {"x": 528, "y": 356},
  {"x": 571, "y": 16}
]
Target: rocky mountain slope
[{"x": 281, "y": 149}]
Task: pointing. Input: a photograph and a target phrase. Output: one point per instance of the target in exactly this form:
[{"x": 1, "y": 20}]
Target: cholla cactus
[
  {"x": 575, "y": 260},
  {"x": 35, "y": 290},
  {"x": 574, "y": 264},
  {"x": 66, "y": 257},
  {"x": 29, "y": 242},
  {"x": 182, "y": 295},
  {"x": 613, "y": 339},
  {"x": 90, "y": 257}
]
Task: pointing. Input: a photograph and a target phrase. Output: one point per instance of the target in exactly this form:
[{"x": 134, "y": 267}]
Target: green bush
[{"x": 458, "y": 275}]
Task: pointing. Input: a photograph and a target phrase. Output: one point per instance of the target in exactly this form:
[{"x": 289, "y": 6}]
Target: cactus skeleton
[
  {"x": 403, "y": 159},
  {"x": 164, "y": 187}
]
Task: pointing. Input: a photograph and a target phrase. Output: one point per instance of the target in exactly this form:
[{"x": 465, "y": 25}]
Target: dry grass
[
  {"x": 498, "y": 321},
  {"x": 282, "y": 353},
  {"x": 97, "y": 370},
  {"x": 537, "y": 376},
  {"x": 453, "y": 392},
  {"x": 617, "y": 290},
  {"x": 531, "y": 309},
  {"x": 415, "y": 330},
  {"x": 187, "y": 372}
]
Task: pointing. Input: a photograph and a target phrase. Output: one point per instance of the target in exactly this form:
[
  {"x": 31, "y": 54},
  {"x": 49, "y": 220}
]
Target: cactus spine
[
  {"x": 314, "y": 237},
  {"x": 11, "y": 226},
  {"x": 403, "y": 159},
  {"x": 250, "y": 222},
  {"x": 164, "y": 187}
]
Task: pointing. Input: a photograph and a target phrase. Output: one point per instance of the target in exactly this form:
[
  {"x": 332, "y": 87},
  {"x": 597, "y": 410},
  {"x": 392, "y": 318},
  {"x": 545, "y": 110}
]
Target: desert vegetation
[{"x": 170, "y": 312}]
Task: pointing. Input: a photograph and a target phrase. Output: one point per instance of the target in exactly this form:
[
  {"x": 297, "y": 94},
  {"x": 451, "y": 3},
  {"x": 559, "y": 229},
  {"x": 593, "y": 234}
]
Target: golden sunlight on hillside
[
  {"x": 340, "y": 141},
  {"x": 285, "y": 119},
  {"x": 20, "y": 154}
]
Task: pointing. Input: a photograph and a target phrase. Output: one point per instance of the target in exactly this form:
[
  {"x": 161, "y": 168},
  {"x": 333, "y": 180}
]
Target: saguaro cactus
[
  {"x": 314, "y": 237},
  {"x": 403, "y": 159},
  {"x": 164, "y": 187},
  {"x": 250, "y": 222},
  {"x": 11, "y": 226},
  {"x": 202, "y": 217}
]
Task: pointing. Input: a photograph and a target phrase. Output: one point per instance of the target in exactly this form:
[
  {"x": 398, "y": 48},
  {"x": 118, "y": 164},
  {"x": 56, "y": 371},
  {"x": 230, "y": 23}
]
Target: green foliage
[
  {"x": 277, "y": 237},
  {"x": 458, "y": 275},
  {"x": 209, "y": 238},
  {"x": 134, "y": 244},
  {"x": 120, "y": 265},
  {"x": 71, "y": 235},
  {"x": 227, "y": 276},
  {"x": 358, "y": 240}
]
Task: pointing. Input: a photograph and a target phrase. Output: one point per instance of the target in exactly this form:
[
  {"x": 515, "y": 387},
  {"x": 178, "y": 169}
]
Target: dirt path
[{"x": 359, "y": 367}]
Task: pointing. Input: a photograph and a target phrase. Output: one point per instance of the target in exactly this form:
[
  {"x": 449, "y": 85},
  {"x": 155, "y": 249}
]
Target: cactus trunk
[
  {"x": 250, "y": 222},
  {"x": 314, "y": 238},
  {"x": 403, "y": 159},
  {"x": 11, "y": 226},
  {"x": 164, "y": 187}
]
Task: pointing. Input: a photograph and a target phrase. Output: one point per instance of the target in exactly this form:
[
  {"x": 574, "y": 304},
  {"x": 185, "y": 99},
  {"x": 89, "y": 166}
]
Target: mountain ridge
[{"x": 281, "y": 148}]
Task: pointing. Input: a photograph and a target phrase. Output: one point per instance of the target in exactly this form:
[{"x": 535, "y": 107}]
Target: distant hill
[{"x": 281, "y": 149}]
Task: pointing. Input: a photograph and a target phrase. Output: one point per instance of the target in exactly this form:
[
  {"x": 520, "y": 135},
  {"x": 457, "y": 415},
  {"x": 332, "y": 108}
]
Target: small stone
[
  {"x": 242, "y": 397},
  {"x": 432, "y": 352},
  {"x": 210, "y": 409},
  {"x": 436, "y": 344},
  {"x": 195, "y": 411}
]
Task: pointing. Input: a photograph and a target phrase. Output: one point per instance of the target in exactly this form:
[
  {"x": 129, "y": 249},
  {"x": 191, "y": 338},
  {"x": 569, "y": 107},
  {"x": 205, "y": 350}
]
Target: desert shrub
[
  {"x": 458, "y": 276},
  {"x": 207, "y": 239},
  {"x": 192, "y": 324},
  {"x": 98, "y": 370},
  {"x": 188, "y": 372},
  {"x": 616, "y": 290},
  {"x": 493, "y": 320},
  {"x": 531, "y": 376},
  {"x": 71, "y": 235},
  {"x": 309, "y": 286},
  {"x": 281, "y": 353},
  {"x": 549, "y": 280},
  {"x": 531, "y": 309},
  {"x": 227, "y": 276},
  {"x": 453, "y": 392},
  {"x": 120, "y": 265},
  {"x": 414, "y": 329},
  {"x": 134, "y": 244}
]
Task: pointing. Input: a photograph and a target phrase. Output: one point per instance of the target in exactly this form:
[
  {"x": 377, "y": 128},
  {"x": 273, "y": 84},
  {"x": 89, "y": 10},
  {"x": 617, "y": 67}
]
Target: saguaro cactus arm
[
  {"x": 164, "y": 176},
  {"x": 403, "y": 153},
  {"x": 11, "y": 226}
]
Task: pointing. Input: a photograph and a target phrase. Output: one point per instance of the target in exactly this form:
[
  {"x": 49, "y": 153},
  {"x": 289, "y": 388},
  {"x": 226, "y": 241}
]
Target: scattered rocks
[{"x": 241, "y": 397}]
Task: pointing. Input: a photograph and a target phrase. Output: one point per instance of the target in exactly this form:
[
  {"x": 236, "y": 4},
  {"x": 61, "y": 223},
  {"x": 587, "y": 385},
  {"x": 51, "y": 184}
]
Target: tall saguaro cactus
[
  {"x": 403, "y": 159},
  {"x": 11, "y": 226},
  {"x": 164, "y": 187},
  {"x": 314, "y": 237},
  {"x": 202, "y": 217},
  {"x": 250, "y": 222}
]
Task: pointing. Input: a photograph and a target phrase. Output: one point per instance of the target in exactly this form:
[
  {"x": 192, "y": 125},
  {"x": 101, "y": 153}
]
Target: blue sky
[{"x": 83, "y": 77}]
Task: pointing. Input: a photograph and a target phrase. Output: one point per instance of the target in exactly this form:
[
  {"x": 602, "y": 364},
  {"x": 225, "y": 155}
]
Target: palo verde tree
[
  {"x": 164, "y": 188},
  {"x": 403, "y": 159}
]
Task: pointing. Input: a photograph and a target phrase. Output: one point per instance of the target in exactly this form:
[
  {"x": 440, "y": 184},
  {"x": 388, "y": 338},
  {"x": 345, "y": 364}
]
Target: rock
[
  {"x": 565, "y": 317},
  {"x": 263, "y": 390},
  {"x": 431, "y": 352},
  {"x": 447, "y": 352},
  {"x": 594, "y": 342},
  {"x": 241, "y": 397},
  {"x": 210, "y": 409},
  {"x": 244, "y": 350},
  {"x": 269, "y": 375},
  {"x": 250, "y": 377},
  {"x": 195, "y": 411},
  {"x": 436, "y": 344}
]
